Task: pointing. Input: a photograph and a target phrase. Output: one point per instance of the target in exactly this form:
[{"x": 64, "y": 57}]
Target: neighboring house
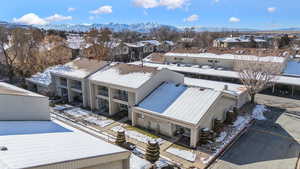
[
  {"x": 286, "y": 86},
  {"x": 242, "y": 41},
  {"x": 119, "y": 87},
  {"x": 42, "y": 82},
  {"x": 227, "y": 61},
  {"x": 173, "y": 107},
  {"x": 19, "y": 104},
  {"x": 120, "y": 52},
  {"x": 72, "y": 83},
  {"x": 29, "y": 139},
  {"x": 136, "y": 51}
]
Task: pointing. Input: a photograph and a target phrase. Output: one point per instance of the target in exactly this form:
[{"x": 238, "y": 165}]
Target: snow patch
[
  {"x": 99, "y": 122},
  {"x": 187, "y": 155},
  {"x": 77, "y": 112},
  {"x": 222, "y": 136},
  {"x": 258, "y": 112},
  {"x": 138, "y": 163},
  {"x": 136, "y": 135}
]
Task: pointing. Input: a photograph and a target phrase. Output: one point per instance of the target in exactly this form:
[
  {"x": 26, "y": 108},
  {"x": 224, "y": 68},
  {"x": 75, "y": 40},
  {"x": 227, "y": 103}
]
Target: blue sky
[{"x": 263, "y": 14}]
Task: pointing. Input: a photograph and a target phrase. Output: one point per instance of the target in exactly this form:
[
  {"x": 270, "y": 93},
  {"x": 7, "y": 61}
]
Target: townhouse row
[{"x": 152, "y": 98}]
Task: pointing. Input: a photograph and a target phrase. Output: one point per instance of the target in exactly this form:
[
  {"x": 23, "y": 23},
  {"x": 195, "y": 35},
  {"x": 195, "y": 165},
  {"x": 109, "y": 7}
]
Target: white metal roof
[
  {"x": 218, "y": 73},
  {"x": 131, "y": 79},
  {"x": 228, "y": 57},
  {"x": 81, "y": 68},
  {"x": 189, "y": 106},
  {"x": 32, "y": 150},
  {"x": 235, "y": 89},
  {"x": 8, "y": 89}
]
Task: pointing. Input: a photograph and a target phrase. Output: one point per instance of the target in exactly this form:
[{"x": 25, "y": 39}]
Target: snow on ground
[
  {"x": 99, "y": 122},
  {"x": 187, "y": 155},
  {"x": 136, "y": 135},
  {"x": 222, "y": 136},
  {"x": 77, "y": 112},
  {"x": 138, "y": 163},
  {"x": 258, "y": 112},
  {"x": 62, "y": 107},
  {"x": 240, "y": 123},
  {"x": 45, "y": 77}
]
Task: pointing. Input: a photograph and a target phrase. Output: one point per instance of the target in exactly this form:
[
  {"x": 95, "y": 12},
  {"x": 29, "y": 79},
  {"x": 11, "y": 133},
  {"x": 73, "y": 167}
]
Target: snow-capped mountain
[{"x": 141, "y": 27}]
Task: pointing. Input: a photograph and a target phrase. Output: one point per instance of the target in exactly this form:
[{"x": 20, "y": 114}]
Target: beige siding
[
  {"x": 24, "y": 108},
  {"x": 218, "y": 111}
]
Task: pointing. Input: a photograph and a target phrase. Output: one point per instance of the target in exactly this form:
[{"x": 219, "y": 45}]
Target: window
[{"x": 140, "y": 116}]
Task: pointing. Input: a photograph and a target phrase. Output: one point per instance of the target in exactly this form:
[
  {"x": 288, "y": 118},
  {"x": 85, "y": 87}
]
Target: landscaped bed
[{"x": 134, "y": 134}]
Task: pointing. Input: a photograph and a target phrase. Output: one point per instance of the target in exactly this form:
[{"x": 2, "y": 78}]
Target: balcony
[
  {"x": 121, "y": 95},
  {"x": 103, "y": 91},
  {"x": 63, "y": 82},
  {"x": 76, "y": 85}
]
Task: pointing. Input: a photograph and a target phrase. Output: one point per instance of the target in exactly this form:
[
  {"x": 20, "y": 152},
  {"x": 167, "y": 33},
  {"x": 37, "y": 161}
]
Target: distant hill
[{"x": 140, "y": 27}]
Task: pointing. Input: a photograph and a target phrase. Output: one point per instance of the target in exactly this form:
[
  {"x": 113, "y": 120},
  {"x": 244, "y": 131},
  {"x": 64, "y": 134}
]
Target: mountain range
[{"x": 139, "y": 27}]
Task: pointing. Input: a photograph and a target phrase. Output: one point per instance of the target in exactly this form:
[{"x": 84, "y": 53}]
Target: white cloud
[
  {"x": 169, "y": 4},
  {"x": 106, "y": 9},
  {"x": 146, "y": 3},
  {"x": 33, "y": 19},
  {"x": 71, "y": 9},
  {"x": 30, "y": 19},
  {"x": 192, "y": 18},
  {"x": 271, "y": 9},
  {"x": 57, "y": 18},
  {"x": 173, "y": 4},
  {"x": 234, "y": 19}
]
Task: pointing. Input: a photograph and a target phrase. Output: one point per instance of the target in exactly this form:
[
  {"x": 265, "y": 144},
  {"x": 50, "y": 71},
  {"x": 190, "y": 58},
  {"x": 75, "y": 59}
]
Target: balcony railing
[
  {"x": 103, "y": 92},
  {"x": 76, "y": 86},
  {"x": 123, "y": 97}
]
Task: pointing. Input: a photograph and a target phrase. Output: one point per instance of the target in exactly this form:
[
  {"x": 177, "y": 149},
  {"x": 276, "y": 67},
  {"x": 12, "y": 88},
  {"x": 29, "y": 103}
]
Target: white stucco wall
[{"x": 15, "y": 107}]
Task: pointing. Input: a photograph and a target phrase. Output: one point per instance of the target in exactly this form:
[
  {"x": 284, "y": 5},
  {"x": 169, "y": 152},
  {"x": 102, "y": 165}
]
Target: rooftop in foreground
[
  {"x": 7, "y": 89},
  {"x": 179, "y": 102},
  {"x": 37, "y": 143},
  {"x": 126, "y": 75}
]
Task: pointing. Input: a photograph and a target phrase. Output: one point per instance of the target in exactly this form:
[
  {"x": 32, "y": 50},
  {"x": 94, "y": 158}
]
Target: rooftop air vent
[{"x": 3, "y": 148}]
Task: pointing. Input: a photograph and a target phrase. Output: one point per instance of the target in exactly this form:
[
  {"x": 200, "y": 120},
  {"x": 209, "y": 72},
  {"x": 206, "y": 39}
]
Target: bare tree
[
  {"x": 164, "y": 33},
  {"x": 4, "y": 42},
  {"x": 99, "y": 41},
  {"x": 257, "y": 74}
]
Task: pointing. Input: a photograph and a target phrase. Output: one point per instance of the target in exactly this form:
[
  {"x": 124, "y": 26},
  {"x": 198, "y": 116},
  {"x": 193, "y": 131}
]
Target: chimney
[{"x": 226, "y": 87}]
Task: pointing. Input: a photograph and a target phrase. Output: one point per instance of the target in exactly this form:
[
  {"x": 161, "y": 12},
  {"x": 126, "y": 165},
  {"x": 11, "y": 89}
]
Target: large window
[
  {"x": 76, "y": 85},
  {"x": 102, "y": 90},
  {"x": 121, "y": 95}
]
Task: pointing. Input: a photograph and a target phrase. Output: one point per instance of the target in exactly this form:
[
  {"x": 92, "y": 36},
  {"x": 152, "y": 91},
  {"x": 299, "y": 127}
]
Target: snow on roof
[
  {"x": 292, "y": 69},
  {"x": 168, "y": 91},
  {"x": 50, "y": 146},
  {"x": 8, "y": 89},
  {"x": 152, "y": 42},
  {"x": 170, "y": 42},
  {"x": 82, "y": 68},
  {"x": 217, "y": 73},
  {"x": 135, "y": 45},
  {"x": 126, "y": 75},
  {"x": 239, "y": 39},
  {"x": 44, "y": 78},
  {"x": 236, "y": 89},
  {"x": 187, "y": 104},
  {"x": 227, "y": 57}
]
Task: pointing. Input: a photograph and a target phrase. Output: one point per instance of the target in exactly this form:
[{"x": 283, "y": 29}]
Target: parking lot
[{"x": 270, "y": 144}]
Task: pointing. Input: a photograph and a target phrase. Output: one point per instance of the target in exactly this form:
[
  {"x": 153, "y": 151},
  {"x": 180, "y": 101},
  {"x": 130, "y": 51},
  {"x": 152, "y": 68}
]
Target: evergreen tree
[{"x": 152, "y": 151}]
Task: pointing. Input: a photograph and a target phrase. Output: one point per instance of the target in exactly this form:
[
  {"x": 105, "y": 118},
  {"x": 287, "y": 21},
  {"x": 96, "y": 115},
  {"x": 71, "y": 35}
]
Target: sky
[{"x": 257, "y": 14}]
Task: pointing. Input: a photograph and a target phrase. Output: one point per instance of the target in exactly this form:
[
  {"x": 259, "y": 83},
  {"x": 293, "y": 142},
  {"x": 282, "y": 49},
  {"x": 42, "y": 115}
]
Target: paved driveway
[{"x": 270, "y": 144}]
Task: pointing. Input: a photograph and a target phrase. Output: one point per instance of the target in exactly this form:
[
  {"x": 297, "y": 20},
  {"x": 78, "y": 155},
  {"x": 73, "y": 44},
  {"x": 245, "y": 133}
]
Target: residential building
[
  {"x": 30, "y": 139},
  {"x": 119, "y": 87},
  {"x": 72, "y": 83},
  {"x": 176, "y": 108},
  {"x": 244, "y": 41},
  {"x": 220, "y": 61}
]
